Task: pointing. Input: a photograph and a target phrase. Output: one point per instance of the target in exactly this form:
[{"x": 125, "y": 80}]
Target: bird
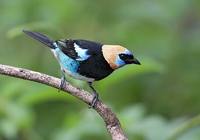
[{"x": 86, "y": 60}]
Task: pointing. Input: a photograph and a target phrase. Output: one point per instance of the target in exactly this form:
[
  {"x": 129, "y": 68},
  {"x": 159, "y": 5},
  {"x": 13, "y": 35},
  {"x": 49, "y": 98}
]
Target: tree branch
[{"x": 111, "y": 121}]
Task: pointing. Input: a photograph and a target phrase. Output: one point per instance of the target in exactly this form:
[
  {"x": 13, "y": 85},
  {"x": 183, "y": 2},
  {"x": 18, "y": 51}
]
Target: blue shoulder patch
[{"x": 82, "y": 53}]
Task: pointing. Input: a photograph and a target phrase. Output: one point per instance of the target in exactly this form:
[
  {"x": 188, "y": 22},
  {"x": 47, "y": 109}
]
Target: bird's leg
[
  {"x": 63, "y": 79},
  {"x": 96, "y": 96}
]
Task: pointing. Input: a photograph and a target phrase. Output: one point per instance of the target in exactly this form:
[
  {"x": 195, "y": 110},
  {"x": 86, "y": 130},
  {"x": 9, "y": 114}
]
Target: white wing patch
[{"x": 82, "y": 53}]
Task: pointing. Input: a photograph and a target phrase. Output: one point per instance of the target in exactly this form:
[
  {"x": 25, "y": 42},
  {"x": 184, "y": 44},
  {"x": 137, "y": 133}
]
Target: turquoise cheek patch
[{"x": 119, "y": 62}]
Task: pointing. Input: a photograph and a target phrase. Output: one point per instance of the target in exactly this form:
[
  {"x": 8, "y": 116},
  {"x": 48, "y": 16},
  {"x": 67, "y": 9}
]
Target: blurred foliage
[{"x": 152, "y": 100}]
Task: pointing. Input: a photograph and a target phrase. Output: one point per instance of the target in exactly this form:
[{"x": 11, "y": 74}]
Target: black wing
[
  {"x": 93, "y": 47},
  {"x": 79, "y": 49},
  {"x": 67, "y": 47}
]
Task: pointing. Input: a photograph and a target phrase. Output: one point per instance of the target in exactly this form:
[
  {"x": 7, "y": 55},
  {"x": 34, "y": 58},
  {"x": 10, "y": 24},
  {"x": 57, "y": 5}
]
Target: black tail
[{"x": 40, "y": 37}]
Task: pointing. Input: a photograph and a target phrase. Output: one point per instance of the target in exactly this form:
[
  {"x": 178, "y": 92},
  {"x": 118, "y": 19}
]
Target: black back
[{"x": 68, "y": 47}]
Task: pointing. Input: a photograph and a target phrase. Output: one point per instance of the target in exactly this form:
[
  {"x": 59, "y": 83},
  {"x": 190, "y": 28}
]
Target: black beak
[{"x": 135, "y": 61}]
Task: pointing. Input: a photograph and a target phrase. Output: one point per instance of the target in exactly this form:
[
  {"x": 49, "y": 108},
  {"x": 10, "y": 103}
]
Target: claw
[
  {"x": 62, "y": 83},
  {"x": 95, "y": 97},
  {"x": 94, "y": 100}
]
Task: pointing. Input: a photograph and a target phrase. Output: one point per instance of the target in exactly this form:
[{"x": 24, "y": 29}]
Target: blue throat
[{"x": 119, "y": 62}]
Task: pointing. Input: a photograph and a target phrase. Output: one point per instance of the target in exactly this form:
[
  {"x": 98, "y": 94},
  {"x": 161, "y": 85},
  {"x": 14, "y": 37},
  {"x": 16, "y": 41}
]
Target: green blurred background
[{"x": 152, "y": 100}]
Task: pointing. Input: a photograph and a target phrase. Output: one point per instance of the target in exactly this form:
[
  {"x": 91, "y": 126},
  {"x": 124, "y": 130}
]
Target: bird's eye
[
  {"x": 122, "y": 56},
  {"x": 126, "y": 57}
]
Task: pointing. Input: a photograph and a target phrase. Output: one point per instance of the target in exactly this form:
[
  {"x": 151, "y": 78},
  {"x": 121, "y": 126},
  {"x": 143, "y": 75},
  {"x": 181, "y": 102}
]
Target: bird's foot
[
  {"x": 62, "y": 83},
  {"x": 95, "y": 97},
  {"x": 94, "y": 100}
]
